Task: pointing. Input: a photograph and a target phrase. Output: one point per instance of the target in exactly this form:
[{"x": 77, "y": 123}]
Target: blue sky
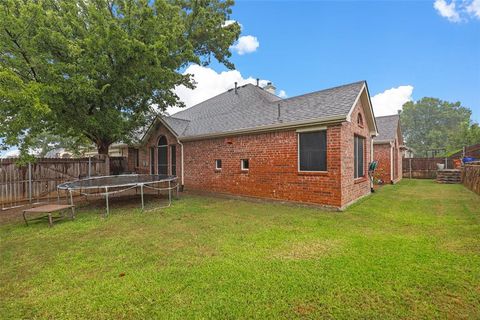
[
  {"x": 404, "y": 49},
  {"x": 309, "y": 45}
]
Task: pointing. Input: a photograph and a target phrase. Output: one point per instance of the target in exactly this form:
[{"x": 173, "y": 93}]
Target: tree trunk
[{"x": 102, "y": 148}]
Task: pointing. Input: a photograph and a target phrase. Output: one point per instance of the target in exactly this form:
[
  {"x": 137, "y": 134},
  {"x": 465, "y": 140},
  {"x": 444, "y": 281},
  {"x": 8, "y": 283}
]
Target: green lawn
[{"x": 409, "y": 251}]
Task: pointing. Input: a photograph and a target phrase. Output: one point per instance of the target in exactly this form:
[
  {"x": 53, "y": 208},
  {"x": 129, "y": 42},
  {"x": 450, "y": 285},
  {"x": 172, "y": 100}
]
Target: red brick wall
[
  {"x": 273, "y": 169},
  {"x": 273, "y": 162},
  {"x": 381, "y": 153},
  {"x": 354, "y": 188}
]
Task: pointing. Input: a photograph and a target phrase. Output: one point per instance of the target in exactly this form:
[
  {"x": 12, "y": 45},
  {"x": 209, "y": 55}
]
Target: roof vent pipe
[
  {"x": 235, "y": 87},
  {"x": 258, "y": 82}
]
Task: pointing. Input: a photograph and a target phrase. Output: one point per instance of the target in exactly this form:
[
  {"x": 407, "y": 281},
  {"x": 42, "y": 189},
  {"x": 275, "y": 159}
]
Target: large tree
[
  {"x": 93, "y": 68},
  {"x": 431, "y": 123}
]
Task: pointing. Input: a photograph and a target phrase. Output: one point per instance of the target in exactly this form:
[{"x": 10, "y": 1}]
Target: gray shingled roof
[
  {"x": 252, "y": 107},
  {"x": 387, "y": 127}
]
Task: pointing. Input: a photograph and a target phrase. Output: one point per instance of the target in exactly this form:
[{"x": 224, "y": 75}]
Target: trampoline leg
[
  {"x": 141, "y": 195},
  {"x": 106, "y": 200},
  {"x": 169, "y": 193}
]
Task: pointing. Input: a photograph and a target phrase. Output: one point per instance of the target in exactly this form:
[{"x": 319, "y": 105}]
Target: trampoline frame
[{"x": 67, "y": 187}]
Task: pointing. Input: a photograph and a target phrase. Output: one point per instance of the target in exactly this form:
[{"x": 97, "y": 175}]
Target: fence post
[
  {"x": 446, "y": 163},
  {"x": 29, "y": 182},
  {"x": 410, "y": 165},
  {"x": 89, "y": 166}
]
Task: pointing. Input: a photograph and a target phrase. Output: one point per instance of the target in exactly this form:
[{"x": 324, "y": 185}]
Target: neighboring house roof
[
  {"x": 387, "y": 128},
  {"x": 250, "y": 108}
]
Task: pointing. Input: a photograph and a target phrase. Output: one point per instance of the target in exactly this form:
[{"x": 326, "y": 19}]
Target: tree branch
[{"x": 22, "y": 52}]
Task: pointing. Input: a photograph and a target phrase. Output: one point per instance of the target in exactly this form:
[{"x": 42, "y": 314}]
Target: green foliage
[
  {"x": 431, "y": 123},
  {"x": 409, "y": 251},
  {"x": 94, "y": 68}
]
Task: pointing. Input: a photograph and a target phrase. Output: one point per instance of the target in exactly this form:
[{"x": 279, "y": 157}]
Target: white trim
[
  {"x": 349, "y": 114},
  {"x": 272, "y": 127},
  {"x": 372, "y": 115},
  {"x": 312, "y": 129},
  {"x": 216, "y": 164},
  {"x": 298, "y": 151},
  {"x": 241, "y": 164},
  {"x": 147, "y": 133}
]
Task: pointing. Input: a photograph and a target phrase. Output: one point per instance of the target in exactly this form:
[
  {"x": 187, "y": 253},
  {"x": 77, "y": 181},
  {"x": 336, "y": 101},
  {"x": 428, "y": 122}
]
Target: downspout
[
  {"x": 181, "y": 155},
  {"x": 391, "y": 162}
]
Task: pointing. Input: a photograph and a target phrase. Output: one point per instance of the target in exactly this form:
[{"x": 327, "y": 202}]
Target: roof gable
[{"x": 388, "y": 128}]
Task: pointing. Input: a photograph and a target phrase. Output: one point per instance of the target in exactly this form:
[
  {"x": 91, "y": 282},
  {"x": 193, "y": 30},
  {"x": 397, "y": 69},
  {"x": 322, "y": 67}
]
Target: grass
[{"x": 409, "y": 251}]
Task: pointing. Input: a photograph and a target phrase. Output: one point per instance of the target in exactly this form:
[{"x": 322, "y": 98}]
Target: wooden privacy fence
[
  {"x": 423, "y": 168},
  {"x": 38, "y": 181},
  {"x": 471, "y": 176}
]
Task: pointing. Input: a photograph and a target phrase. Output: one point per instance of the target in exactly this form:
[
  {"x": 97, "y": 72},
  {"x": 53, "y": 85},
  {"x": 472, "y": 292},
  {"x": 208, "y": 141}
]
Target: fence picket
[{"x": 19, "y": 185}]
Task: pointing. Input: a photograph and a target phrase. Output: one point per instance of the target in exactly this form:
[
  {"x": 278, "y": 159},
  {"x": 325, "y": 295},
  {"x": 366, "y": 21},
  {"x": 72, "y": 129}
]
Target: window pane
[
  {"x": 313, "y": 151},
  {"x": 358, "y": 161},
  {"x": 245, "y": 164},
  {"x": 218, "y": 164},
  {"x": 360, "y": 156}
]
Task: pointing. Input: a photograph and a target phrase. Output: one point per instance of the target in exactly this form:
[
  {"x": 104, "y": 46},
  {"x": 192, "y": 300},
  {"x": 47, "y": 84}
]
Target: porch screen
[
  {"x": 359, "y": 147},
  {"x": 313, "y": 151}
]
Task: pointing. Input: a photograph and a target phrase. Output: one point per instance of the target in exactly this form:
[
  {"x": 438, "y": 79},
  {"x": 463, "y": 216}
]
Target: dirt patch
[{"x": 308, "y": 249}]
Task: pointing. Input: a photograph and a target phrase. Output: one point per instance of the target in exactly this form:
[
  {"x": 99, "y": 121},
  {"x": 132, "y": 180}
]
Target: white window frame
[
  {"x": 216, "y": 164},
  {"x": 316, "y": 129},
  {"x": 242, "y": 164}
]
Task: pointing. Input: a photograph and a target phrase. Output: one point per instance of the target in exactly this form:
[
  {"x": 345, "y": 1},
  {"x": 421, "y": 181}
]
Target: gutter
[{"x": 382, "y": 141}]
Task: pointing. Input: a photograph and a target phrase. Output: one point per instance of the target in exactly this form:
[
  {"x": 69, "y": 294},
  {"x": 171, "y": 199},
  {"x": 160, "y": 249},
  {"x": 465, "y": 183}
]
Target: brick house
[
  {"x": 313, "y": 148},
  {"x": 388, "y": 149}
]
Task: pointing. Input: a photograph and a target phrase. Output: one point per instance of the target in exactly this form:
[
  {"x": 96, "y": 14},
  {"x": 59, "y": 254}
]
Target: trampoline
[{"x": 111, "y": 185}]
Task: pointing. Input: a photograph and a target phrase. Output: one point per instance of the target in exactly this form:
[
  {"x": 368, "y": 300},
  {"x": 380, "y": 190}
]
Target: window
[
  {"x": 312, "y": 151},
  {"x": 137, "y": 158},
  {"x": 358, "y": 161},
  {"x": 173, "y": 159},
  {"x": 360, "y": 120},
  {"x": 244, "y": 164},
  {"x": 218, "y": 164},
  {"x": 162, "y": 156}
]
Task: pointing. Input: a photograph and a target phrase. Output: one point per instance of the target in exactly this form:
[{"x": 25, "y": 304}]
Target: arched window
[
  {"x": 162, "y": 141},
  {"x": 162, "y": 155},
  {"x": 360, "y": 120}
]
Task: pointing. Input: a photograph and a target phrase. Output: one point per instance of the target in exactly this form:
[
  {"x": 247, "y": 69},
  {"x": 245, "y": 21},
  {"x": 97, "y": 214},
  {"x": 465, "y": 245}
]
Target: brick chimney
[{"x": 270, "y": 88}]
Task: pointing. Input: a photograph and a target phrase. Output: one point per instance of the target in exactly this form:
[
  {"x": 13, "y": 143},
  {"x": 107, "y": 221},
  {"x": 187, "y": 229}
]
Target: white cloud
[
  {"x": 211, "y": 83},
  {"x": 229, "y": 22},
  {"x": 246, "y": 44},
  {"x": 282, "y": 94},
  {"x": 474, "y": 8},
  {"x": 390, "y": 101},
  {"x": 446, "y": 10},
  {"x": 466, "y": 9}
]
